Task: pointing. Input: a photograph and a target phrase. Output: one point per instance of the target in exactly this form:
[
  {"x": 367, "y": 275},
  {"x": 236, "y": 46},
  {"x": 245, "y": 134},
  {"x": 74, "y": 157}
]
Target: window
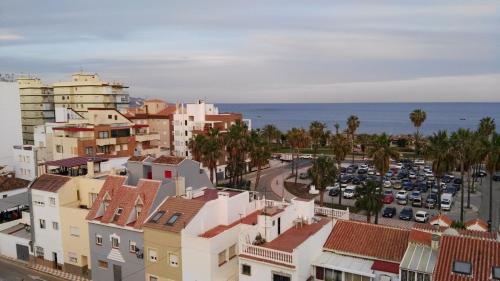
[
  {"x": 355, "y": 277},
  {"x": 103, "y": 264},
  {"x": 404, "y": 275},
  {"x": 153, "y": 255},
  {"x": 73, "y": 257},
  {"x": 420, "y": 276},
  {"x": 115, "y": 242},
  {"x": 116, "y": 117},
  {"x": 92, "y": 198},
  {"x": 52, "y": 201},
  {"x": 98, "y": 239},
  {"x": 167, "y": 174},
  {"x": 59, "y": 148},
  {"x": 89, "y": 150},
  {"x": 280, "y": 277},
  {"x": 42, "y": 224},
  {"x": 157, "y": 217},
  {"x": 110, "y": 116},
  {"x": 40, "y": 203},
  {"x": 173, "y": 260},
  {"x": 39, "y": 252},
  {"x": 103, "y": 134},
  {"x": 462, "y": 267},
  {"x": 320, "y": 273},
  {"x": 74, "y": 231},
  {"x": 246, "y": 269},
  {"x": 222, "y": 257},
  {"x": 117, "y": 215},
  {"x": 124, "y": 146},
  {"x": 336, "y": 275},
  {"x": 495, "y": 272},
  {"x": 132, "y": 246},
  {"x": 232, "y": 251},
  {"x": 55, "y": 225},
  {"x": 173, "y": 219}
]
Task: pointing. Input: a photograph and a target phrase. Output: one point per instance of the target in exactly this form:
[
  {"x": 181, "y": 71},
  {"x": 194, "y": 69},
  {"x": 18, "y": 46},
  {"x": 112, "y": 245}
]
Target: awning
[
  {"x": 345, "y": 263},
  {"x": 13, "y": 201},
  {"x": 419, "y": 258},
  {"x": 385, "y": 266},
  {"x": 74, "y": 161}
]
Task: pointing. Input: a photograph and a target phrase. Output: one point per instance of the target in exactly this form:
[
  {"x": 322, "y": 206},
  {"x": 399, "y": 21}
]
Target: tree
[
  {"x": 297, "y": 139},
  {"x": 492, "y": 165},
  {"x": 195, "y": 146},
  {"x": 352, "y": 125},
  {"x": 440, "y": 152},
  {"x": 271, "y": 133},
  {"x": 418, "y": 117},
  {"x": 340, "y": 147},
  {"x": 259, "y": 153},
  {"x": 381, "y": 153},
  {"x": 236, "y": 142},
  {"x": 364, "y": 142},
  {"x": 462, "y": 145},
  {"x": 323, "y": 173},
  {"x": 487, "y": 126},
  {"x": 316, "y": 134},
  {"x": 369, "y": 200},
  {"x": 211, "y": 152}
]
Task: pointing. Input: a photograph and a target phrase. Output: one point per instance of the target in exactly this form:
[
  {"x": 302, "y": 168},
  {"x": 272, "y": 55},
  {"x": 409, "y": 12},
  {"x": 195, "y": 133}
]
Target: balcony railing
[
  {"x": 107, "y": 141},
  {"x": 267, "y": 254},
  {"x": 332, "y": 213},
  {"x": 147, "y": 137},
  {"x": 279, "y": 204}
]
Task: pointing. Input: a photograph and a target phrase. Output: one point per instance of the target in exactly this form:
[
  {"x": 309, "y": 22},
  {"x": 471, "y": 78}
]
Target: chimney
[
  {"x": 189, "y": 193},
  {"x": 180, "y": 186},
  {"x": 90, "y": 168},
  {"x": 434, "y": 241}
]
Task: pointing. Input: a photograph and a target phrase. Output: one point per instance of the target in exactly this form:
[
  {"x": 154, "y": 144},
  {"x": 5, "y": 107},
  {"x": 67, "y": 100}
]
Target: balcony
[
  {"x": 152, "y": 150},
  {"x": 332, "y": 213},
  {"x": 103, "y": 142},
  {"x": 276, "y": 256},
  {"x": 147, "y": 137}
]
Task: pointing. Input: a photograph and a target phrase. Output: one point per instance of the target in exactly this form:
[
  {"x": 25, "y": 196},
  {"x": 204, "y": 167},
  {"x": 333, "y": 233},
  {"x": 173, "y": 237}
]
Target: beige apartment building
[
  {"x": 87, "y": 90},
  {"x": 37, "y": 106}
]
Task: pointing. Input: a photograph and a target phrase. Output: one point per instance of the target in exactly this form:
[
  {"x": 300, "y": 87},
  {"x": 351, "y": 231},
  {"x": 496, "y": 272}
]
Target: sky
[{"x": 263, "y": 50}]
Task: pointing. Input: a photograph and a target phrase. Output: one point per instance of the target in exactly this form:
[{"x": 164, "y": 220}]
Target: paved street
[
  {"x": 484, "y": 208},
  {"x": 12, "y": 271}
]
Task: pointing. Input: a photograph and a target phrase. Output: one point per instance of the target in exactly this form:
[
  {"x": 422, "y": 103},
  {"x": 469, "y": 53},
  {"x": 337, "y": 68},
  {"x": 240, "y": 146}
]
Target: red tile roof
[
  {"x": 74, "y": 161},
  {"x": 187, "y": 208},
  {"x": 50, "y": 182},
  {"x": 386, "y": 266},
  {"x": 420, "y": 237},
  {"x": 442, "y": 217},
  {"x": 250, "y": 219},
  {"x": 461, "y": 232},
  {"x": 11, "y": 183},
  {"x": 368, "y": 240},
  {"x": 295, "y": 236},
  {"x": 477, "y": 222},
  {"x": 124, "y": 197},
  {"x": 167, "y": 111},
  {"x": 482, "y": 254}
]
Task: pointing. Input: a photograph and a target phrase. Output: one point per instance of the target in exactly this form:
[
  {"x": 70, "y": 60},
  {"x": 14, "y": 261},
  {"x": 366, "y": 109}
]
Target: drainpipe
[{"x": 32, "y": 221}]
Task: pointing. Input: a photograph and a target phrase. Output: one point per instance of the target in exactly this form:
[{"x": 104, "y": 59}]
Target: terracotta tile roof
[
  {"x": 155, "y": 100},
  {"x": 169, "y": 160},
  {"x": 295, "y": 236},
  {"x": 138, "y": 158},
  {"x": 482, "y": 254},
  {"x": 11, "y": 183},
  {"x": 420, "y": 237},
  {"x": 477, "y": 222},
  {"x": 463, "y": 232},
  {"x": 368, "y": 240},
  {"x": 386, "y": 266},
  {"x": 213, "y": 193},
  {"x": 50, "y": 182},
  {"x": 250, "y": 219},
  {"x": 441, "y": 217},
  {"x": 186, "y": 208},
  {"x": 124, "y": 197},
  {"x": 167, "y": 111}
]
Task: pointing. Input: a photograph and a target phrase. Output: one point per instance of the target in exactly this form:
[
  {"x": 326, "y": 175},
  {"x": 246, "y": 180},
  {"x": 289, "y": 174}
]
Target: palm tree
[
  {"x": 487, "y": 126},
  {"x": 381, "y": 153},
  {"x": 212, "y": 151},
  {"x": 364, "y": 142},
  {"x": 492, "y": 165},
  {"x": 337, "y": 126},
  {"x": 352, "y": 125},
  {"x": 461, "y": 142},
  {"x": 259, "y": 153},
  {"x": 323, "y": 173},
  {"x": 316, "y": 134},
  {"x": 271, "y": 133},
  {"x": 236, "y": 140},
  {"x": 297, "y": 138},
  {"x": 195, "y": 146},
  {"x": 439, "y": 151},
  {"x": 417, "y": 117},
  {"x": 340, "y": 147},
  {"x": 369, "y": 200}
]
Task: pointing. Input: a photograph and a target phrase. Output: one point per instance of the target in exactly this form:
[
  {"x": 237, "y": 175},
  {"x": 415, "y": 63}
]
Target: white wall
[
  {"x": 24, "y": 162},
  {"x": 8, "y": 245},
  {"x": 263, "y": 271},
  {"x": 308, "y": 251},
  {"x": 10, "y": 110},
  {"x": 13, "y": 192},
  {"x": 48, "y": 238}
]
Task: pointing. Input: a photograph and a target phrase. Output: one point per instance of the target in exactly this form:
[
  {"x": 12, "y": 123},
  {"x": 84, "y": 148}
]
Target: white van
[{"x": 446, "y": 201}]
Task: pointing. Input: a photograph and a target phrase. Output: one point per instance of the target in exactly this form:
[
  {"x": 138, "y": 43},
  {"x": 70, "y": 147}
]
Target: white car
[
  {"x": 332, "y": 187},
  {"x": 398, "y": 165},
  {"x": 387, "y": 184},
  {"x": 350, "y": 192},
  {"x": 419, "y": 162},
  {"x": 371, "y": 172},
  {"x": 363, "y": 166},
  {"x": 421, "y": 216},
  {"x": 402, "y": 194},
  {"x": 428, "y": 174},
  {"x": 306, "y": 156}
]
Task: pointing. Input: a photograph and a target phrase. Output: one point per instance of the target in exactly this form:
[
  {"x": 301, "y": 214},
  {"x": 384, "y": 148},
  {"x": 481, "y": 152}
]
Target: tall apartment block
[
  {"x": 37, "y": 106},
  {"x": 87, "y": 90}
]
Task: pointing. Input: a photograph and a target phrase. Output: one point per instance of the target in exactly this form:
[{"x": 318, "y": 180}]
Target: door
[
  {"x": 23, "y": 252},
  {"x": 279, "y": 226},
  {"x": 117, "y": 272},
  {"x": 54, "y": 260}
]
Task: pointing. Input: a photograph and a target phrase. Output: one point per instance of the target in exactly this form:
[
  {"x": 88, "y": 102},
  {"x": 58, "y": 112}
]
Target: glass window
[
  {"x": 89, "y": 150},
  {"x": 55, "y": 225},
  {"x": 420, "y": 277},
  {"x": 157, "y": 217},
  {"x": 168, "y": 174},
  {"x": 232, "y": 251},
  {"x": 92, "y": 198},
  {"x": 74, "y": 231},
  {"x": 103, "y": 134},
  {"x": 103, "y": 264},
  {"x": 52, "y": 201},
  {"x": 411, "y": 276},
  {"x": 173, "y": 219},
  {"x": 132, "y": 247},
  {"x": 222, "y": 257},
  {"x": 279, "y": 277},
  {"x": 173, "y": 260},
  {"x": 42, "y": 224},
  {"x": 98, "y": 239},
  {"x": 39, "y": 252},
  {"x": 153, "y": 255},
  {"x": 320, "y": 273},
  {"x": 404, "y": 275},
  {"x": 462, "y": 267},
  {"x": 115, "y": 242},
  {"x": 246, "y": 269}
]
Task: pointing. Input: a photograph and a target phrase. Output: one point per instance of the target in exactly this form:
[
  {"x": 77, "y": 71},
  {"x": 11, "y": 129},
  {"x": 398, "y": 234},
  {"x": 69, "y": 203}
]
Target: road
[
  {"x": 484, "y": 208},
  {"x": 13, "y": 271}
]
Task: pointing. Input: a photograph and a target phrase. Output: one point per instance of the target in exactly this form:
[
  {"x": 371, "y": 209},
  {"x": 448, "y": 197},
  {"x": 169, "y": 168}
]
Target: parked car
[
  {"x": 371, "y": 172},
  {"x": 417, "y": 202},
  {"x": 388, "y": 199},
  {"x": 406, "y": 214},
  {"x": 414, "y": 195},
  {"x": 402, "y": 197},
  {"x": 363, "y": 166},
  {"x": 419, "y": 162},
  {"x": 362, "y": 171},
  {"x": 303, "y": 175},
  {"x": 389, "y": 212},
  {"x": 430, "y": 201},
  {"x": 421, "y": 216},
  {"x": 496, "y": 176},
  {"x": 334, "y": 191},
  {"x": 350, "y": 192},
  {"x": 422, "y": 187},
  {"x": 446, "y": 201},
  {"x": 387, "y": 183},
  {"x": 480, "y": 174}
]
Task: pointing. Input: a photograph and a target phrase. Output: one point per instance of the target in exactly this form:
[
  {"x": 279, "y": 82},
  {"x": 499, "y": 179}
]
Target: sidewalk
[{"x": 58, "y": 273}]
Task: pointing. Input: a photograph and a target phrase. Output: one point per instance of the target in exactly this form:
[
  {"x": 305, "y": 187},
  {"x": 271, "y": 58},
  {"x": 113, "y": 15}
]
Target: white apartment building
[{"x": 26, "y": 160}]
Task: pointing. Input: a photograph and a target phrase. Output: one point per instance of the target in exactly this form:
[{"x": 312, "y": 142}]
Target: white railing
[
  {"x": 279, "y": 204},
  {"x": 267, "y": 254},
  {"x": 147, "y": 137},
  {"x": 332, "y": 213}
]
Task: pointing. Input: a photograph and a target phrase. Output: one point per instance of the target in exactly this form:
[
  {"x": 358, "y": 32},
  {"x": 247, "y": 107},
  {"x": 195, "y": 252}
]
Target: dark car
[
  {"x": 430, "y": 201},
  {"x": 406, "y": 214},
  {"x": 356, "y": 181},
  {"x": 389, "y": 212},
  {"x": 450, "y": 189},
  {"x": 408, "y": 186},
  {"x": 346, "y": 179},
  {"x": 457, "y": 181},
  {"x": 334, "y": 192},
  {"x": 496, "y": 176},
  {"x": 362, "y": 171},
  {"x": 422, "y": 187},
  {"x": 353, "y": 166},
  {"x": 446, "y": 179},
  {"x": 343, "y": 169}
]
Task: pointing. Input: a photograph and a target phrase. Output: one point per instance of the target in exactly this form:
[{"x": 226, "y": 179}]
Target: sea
[{"x": 392, "y": 118}]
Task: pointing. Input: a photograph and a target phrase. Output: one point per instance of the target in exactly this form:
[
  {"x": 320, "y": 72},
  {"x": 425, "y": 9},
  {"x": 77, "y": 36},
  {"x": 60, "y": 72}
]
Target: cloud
[{"x": 6, "y": 35}]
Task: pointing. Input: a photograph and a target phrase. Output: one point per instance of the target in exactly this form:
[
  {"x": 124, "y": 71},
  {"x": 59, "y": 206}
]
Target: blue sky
[{"x": 261, "y": 50}]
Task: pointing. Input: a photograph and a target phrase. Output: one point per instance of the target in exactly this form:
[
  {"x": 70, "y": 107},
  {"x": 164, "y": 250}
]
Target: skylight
[
  {"x": 173, "y": 219},
  {"x": 462, "y": 267},
  {"x": 157, "y": 217},
  {"x": 495, "y": 272}
]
